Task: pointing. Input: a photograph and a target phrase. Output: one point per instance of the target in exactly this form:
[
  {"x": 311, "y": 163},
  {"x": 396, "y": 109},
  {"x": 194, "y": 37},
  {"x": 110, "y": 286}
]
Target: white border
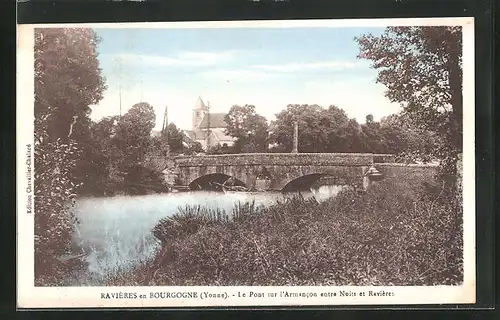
[{"x": 88, "y": 297}]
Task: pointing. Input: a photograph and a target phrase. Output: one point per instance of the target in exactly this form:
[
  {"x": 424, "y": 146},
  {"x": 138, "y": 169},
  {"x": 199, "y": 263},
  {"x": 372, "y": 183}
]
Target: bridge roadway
[{"x": 276, "y": 171}]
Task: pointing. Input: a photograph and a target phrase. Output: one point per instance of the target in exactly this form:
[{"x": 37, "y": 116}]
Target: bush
[
  {"x": 140, "y": 180},
  {"x": 54, "y": 221}
]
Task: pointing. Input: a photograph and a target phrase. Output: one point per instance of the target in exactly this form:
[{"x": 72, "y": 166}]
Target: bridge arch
[
  {"x": 301, "y": 183},
  {"x": 304, "y": 177},
  {"x": 213, "y": 181}
]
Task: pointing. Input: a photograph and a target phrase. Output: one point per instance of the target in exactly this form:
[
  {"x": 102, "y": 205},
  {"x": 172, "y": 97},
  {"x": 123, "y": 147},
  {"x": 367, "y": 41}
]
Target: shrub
[
  {"x": 54, "y": 221},
  {"x": 141, "y": 180}
]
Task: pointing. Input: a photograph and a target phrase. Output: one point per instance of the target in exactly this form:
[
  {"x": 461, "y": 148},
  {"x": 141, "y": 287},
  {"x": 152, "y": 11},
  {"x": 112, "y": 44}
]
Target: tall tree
[
  {"x": 335, "y": 122},
  {"x": 311, "y": 138},
  {"x": 68, "y": 81},
  {"x": 171, "y": 141},
  {"x": 352, "y": 137},
  {"x": 421, "y": 68},
  {"x": 133, "y": 132},
  {"x": 99, "y": 166},
  {"x": 320, "y": 130},
  {"x": 175, "y": 138},
  {"x": 249, "y": 128}
]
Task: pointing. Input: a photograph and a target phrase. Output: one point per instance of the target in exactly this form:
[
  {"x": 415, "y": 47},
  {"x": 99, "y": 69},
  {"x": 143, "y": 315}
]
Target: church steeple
[
  {"x": 199, "y": 111},
  {"x": 200, "y": 105},
  {"x": 165, "y": 121}
]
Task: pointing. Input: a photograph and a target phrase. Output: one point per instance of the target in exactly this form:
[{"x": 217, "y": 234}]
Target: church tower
[{"x": 199, "y": 111}]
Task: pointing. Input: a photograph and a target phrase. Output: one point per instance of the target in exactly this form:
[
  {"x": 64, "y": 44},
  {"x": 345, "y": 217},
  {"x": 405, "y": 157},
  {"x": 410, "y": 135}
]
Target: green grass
[{"x": 386, "y": 236}]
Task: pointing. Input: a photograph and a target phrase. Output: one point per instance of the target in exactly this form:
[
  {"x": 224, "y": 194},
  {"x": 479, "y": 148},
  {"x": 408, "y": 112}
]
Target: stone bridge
[{"x": 276, "y": 171}]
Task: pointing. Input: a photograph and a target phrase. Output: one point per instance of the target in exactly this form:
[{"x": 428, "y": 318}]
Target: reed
[{"x": 188, "y": 220}]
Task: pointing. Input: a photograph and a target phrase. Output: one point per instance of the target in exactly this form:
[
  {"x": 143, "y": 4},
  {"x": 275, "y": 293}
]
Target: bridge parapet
[
  {"x": 281, "y": 159},
  {"x": 384, "y": 158}
]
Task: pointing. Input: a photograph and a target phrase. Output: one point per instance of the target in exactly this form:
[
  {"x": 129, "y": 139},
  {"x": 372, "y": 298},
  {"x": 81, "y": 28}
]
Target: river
[{"x": 115, "y": 232}]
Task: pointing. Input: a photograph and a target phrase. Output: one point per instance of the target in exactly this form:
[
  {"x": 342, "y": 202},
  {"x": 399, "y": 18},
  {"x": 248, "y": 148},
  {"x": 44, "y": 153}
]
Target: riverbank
[{"x": 394, "y": 234}]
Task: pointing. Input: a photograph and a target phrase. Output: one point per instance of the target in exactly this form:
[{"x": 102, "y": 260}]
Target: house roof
[{"x": 216, "y": 121}]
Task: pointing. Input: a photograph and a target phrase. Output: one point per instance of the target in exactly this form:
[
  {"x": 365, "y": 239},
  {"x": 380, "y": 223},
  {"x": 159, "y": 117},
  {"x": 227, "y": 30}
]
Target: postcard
[{"x": 246, "y": 163}]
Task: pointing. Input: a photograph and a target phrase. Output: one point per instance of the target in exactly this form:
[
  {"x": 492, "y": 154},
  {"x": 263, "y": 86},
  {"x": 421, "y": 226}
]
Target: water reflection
[{"x": 114, "y": 232}]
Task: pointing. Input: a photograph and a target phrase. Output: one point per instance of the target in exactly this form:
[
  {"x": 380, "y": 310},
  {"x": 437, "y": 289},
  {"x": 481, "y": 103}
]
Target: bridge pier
[
  {"x": 370, "y": 175},
  {"x": 366, "y": 179}
]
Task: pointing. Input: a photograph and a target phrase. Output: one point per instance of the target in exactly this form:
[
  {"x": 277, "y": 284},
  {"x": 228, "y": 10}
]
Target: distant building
[{"x": 208, "y": 128}]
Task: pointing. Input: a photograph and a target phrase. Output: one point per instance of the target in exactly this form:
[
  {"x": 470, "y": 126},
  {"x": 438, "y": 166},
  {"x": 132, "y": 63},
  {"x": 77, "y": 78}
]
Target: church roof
[
  {"x": 216, "y": 121},
  {"x": 196, "y": 135},
  {"x": 200, "y": 105},
  {"x": 222, "y": 136}
]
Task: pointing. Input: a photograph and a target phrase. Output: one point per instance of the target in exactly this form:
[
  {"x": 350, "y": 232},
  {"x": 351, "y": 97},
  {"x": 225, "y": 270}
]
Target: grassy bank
[{"x": 391, "y": 235}]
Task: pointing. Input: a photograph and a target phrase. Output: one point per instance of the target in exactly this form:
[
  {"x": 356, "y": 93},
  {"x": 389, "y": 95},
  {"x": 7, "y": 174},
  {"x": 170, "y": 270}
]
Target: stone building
[{"x": 208, "y": 128}]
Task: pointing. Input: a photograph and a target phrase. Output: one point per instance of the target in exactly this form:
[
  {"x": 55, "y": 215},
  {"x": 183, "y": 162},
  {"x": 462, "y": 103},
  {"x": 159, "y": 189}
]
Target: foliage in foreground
[
  {"x": 54, "y": 220},
  {"x": 382, "y": 237},
  {"x": 67, "y": 80}
]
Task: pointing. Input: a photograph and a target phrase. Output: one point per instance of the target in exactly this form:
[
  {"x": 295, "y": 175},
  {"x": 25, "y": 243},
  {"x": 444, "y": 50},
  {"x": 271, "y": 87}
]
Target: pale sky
[{"x": 266, "y": 67}]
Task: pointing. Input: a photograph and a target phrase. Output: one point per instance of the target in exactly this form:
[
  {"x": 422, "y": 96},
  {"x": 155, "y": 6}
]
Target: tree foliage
[
  {"x": 409, "y": 142},
  {"x": 68, "y": 81},
  {"x": 133, "y": 132},
  {"x": 331, "y": 130},
  {"x": 320, "y": 130},
  {"x": 54, "y": 221},
  {"x": 175, "y": 138},
  {"x": 421, "y": 68},
  {"x": 173, "y": 142},
  {"x": 249, "y": 128},
  {"x": 220, "y": 149},
  {"x": 100, "y": 166},
  {"x": 132, "y": 158}
]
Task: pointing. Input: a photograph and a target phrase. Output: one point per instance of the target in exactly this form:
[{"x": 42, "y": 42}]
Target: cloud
[
  {"x": 236, "y": 75},
  {"x": 207, "y": 57},
  {"x": 186, "y": 59},
  {"x": 259, "y": 72},
  {"x": 294, "y": 67}
]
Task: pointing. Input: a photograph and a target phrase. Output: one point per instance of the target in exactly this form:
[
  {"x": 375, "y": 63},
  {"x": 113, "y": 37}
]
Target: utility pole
[
  {"x": 119, "y": 70},
  {"x": 208, "y": 125},
  {"x": 164, "y": 130}
]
